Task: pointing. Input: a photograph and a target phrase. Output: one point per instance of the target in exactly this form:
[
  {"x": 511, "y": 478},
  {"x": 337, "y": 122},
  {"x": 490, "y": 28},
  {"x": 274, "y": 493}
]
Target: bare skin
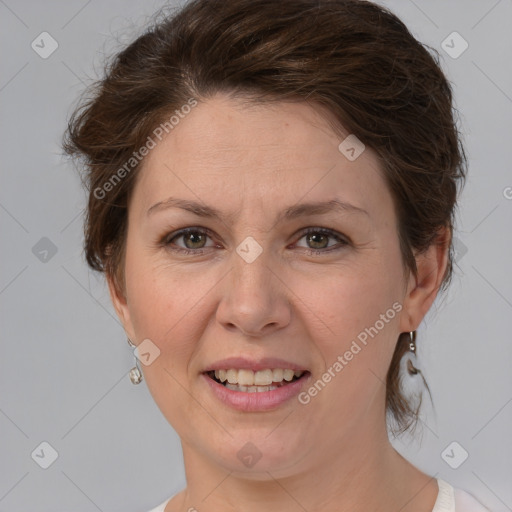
[{"x": 251, "y": 163}]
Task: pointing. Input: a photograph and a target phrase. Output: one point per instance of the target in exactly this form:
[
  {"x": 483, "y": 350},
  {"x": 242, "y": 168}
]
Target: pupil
[
  {"x": 314, "y": 236},
  {"x": 194, "y": 235}
]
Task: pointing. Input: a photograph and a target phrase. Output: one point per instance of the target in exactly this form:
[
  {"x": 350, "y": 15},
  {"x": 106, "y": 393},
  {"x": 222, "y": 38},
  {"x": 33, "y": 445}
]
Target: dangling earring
[
  {"x": 411, "y": 360},
  {"x": 411, "y": 384},
  {"x": 135, "y": 373}
]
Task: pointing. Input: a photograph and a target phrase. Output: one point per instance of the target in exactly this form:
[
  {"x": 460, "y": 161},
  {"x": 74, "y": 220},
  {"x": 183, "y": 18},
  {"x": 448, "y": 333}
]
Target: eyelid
[
  {"x": 326, "y": 231},
  {"x": 166, "y": 239}
]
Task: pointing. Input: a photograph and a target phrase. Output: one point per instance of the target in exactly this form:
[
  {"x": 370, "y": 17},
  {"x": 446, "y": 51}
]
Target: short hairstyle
[{"x": 352, "y": 58}]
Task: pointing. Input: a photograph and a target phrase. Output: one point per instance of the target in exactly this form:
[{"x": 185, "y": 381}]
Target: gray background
[{"x": 64, "y": 359}]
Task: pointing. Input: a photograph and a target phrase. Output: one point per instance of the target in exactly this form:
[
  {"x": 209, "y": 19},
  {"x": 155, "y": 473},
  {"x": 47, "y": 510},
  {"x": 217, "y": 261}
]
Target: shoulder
[
  {"x": 449, "y": 499},
  {"x": 453, "y": 499},
  {"x": 465, "y": 502},
  {"x": 161, "y": 507}
]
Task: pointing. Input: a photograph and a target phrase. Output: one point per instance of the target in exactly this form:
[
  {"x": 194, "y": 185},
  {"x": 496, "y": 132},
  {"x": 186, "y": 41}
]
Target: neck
[{"x": 364, "y": 472}]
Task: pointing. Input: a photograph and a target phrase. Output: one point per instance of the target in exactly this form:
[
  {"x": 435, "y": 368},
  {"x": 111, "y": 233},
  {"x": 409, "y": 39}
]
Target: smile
[
  {"x": 253, "y": 391},
  {"x": 249, "y": 381}
]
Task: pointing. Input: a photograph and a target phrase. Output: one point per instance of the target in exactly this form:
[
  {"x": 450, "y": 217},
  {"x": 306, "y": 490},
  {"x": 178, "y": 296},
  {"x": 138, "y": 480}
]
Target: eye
[
  {"x": 318, "y": 239},
  {"x": 194, "y": 239}
]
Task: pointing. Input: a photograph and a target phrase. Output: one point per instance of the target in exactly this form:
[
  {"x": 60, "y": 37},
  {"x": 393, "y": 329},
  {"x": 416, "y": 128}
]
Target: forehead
[
  {"x": 225, "y": 129},
  {"x": 226, "y": 152}
]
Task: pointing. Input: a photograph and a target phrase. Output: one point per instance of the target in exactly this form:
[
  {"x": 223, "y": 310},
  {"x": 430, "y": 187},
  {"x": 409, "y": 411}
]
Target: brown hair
[{"x": 353, "y": 58}]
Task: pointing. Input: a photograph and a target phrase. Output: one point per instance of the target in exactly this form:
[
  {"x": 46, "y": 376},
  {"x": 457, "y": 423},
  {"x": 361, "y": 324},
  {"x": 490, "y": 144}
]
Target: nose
[{"x": 255, "y": 300}]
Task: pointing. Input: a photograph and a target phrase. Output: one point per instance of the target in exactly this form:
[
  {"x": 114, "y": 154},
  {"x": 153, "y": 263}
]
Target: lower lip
[{"x": 257, "y": 401}]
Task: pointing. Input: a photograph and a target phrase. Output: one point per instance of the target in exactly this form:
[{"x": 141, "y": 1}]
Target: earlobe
[
  {"x": 422, "y": 290},
  {"x": 118, "y": 297}
]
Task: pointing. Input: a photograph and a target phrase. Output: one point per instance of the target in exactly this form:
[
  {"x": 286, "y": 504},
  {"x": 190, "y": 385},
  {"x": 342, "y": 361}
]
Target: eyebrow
[{"x": 290, "y": 213}]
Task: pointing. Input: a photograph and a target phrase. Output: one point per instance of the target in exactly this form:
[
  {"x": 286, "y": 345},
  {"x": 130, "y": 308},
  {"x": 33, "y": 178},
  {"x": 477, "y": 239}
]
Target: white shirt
[{"x": 449, "y": 499}]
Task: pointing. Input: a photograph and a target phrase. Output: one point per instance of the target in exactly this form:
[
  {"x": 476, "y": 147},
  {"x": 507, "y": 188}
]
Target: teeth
[
  {"x": 263, "y": 377},
  {"x": 232, "y": 376},
  {"x": 288, "y": 375},
  {"x": 248, "y": 378},
  {"x": 250, "y": 389},
  {"x": 277, "y": 375}
]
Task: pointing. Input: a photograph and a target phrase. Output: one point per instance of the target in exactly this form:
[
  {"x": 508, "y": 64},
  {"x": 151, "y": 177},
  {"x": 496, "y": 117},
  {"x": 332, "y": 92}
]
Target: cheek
[
  {"x": 172, "y": 308},
  {"x": 355, "y": 311},
  {"x": 163, "y": 304},
  {"x": 154, "y": 290},
  {"x": 165, "y": 307},
  {"x": 352, "y": 298},
  {"x": 362, "y": 316}
]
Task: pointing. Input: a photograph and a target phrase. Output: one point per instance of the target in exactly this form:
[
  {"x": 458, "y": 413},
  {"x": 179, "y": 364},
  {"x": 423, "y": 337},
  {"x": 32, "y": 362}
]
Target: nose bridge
[
  {"x": 252, "y": 278},
  {"x": 253, "y": 299}
]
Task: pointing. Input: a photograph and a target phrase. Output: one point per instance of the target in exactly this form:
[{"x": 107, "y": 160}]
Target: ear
[
  {"x": 118, "y": 297},
  {"x": 422, "y": 289}
]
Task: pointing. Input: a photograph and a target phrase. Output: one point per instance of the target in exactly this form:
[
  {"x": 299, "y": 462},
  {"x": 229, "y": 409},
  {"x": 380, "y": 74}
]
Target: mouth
[{"x": 249, "y": 381}]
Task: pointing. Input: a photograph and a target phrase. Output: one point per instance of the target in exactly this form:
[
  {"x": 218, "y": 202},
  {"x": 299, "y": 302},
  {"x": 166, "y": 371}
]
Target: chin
[{"x": 245, "y": 456}]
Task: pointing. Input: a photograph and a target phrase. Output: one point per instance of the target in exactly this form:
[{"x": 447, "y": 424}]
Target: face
[{"x": 261, "y": 282}]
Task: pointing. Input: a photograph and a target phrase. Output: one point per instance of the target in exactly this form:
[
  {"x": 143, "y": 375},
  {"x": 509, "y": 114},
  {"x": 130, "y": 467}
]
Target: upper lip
[{"x": 241, "y": 363}]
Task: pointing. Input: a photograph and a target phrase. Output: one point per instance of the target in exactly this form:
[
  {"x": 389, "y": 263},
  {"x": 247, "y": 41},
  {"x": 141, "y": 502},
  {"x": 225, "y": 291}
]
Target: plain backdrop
[{"x": 64, "y": 358}]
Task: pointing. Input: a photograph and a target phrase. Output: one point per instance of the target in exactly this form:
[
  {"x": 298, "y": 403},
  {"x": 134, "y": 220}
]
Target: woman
[{"x": 272, "y": 188}]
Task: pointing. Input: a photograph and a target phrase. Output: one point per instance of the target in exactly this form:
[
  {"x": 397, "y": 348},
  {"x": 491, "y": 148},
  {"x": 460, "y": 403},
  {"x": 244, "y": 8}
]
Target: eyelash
[{"x": 166, "y": 241}]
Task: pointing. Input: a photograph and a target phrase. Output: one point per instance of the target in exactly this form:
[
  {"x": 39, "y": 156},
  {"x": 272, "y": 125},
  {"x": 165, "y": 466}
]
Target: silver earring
[
  {"x": 412, "y": 386},
  {"x": 412, "y": 342},
  {"x": 135, "y": 373},
  {"x": 411, "y": 368}
]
